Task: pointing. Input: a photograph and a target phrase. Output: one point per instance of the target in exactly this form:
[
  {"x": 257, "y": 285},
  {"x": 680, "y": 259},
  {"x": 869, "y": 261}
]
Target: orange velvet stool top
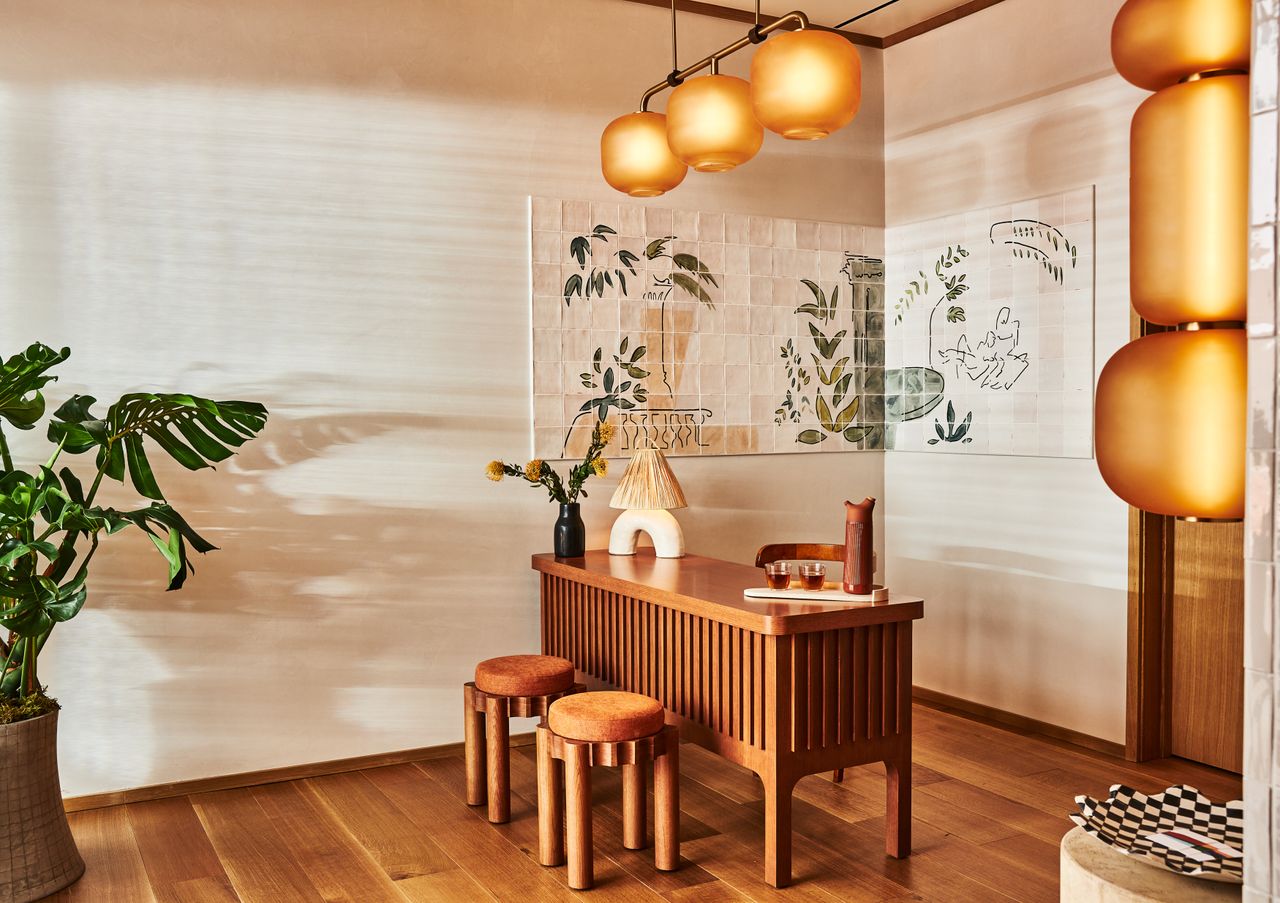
[
  {"x": 524, "y": 675},
  {"x": 608, "y": 716}
]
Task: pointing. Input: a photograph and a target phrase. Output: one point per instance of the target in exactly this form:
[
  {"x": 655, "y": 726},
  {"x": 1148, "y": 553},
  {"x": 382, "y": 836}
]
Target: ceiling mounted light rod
[{"x": 755, "y": 36}]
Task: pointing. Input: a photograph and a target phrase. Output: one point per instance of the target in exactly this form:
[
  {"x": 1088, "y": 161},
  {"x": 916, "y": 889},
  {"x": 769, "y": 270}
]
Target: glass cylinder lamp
[
  {"x": 1157, "y": 43},
  {"x": 806, "y": 84},
  {"x": 1170, "y": 423},
  {"x": 710, "y": 125},
  {"x": 1189, "y": 198},
  {"x": 635, "y": 158}
]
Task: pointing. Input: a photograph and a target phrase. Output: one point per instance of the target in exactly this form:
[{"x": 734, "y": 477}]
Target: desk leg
[
  {"x": 897, "y": 821},
  {"x": 777, "y": 830}
]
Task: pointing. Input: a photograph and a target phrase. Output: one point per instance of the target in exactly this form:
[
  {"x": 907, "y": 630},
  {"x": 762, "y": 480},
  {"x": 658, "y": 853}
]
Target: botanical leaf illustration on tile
[
  {"x": 691, "y": 333},
  {"x": 993, "y": 315}
]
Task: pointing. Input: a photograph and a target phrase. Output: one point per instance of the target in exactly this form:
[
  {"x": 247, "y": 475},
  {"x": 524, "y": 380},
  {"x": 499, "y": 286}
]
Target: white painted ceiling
[{"x": 900, "y": 15}]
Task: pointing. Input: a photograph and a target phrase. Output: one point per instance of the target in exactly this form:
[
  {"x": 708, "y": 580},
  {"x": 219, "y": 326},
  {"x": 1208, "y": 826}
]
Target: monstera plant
[{"x": 51, "y": 525}]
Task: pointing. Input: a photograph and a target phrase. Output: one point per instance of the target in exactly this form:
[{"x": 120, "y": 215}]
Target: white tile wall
[{"x": 1262, "y": 657}]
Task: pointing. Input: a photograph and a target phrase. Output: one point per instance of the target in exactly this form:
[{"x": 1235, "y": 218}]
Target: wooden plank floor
[{"x": 990, "y": 807}]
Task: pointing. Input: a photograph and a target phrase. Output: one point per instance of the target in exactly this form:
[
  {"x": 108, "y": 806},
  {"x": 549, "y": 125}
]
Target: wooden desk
[{"x": 786, "y": 689}]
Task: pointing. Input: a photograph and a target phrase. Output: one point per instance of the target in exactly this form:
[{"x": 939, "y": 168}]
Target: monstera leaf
[
  {"x": 207, "y": 432},
  {"x": 21, "y": 378}
]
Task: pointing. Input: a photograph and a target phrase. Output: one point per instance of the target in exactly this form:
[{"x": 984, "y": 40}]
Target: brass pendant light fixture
[
  {"x": 1170, "y": 410},
  {"x": 804, "y": 85}
]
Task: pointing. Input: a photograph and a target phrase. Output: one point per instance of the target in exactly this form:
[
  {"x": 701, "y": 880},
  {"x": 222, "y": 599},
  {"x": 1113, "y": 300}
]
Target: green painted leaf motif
[
  {"x": 692, "y": 287},
  {"x": 845, "y": 417},
  {"x": 824, "y": 415},
  {"x": 856, "y": 433},
  {"x": 937, "y": 426},
  {"x": 572, "y": 286},
  {"x": 603, "y": 230},
  {"x": 657, "y": 247},
  {"x": 955, "y": 315},
  {"x": 811, "y": 437},
  {"x": 580, "y": 250}
]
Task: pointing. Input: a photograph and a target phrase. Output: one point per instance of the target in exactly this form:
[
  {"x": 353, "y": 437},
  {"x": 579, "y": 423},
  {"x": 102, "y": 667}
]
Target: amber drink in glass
[
  {"x": 812, "y": 575},
  {"x": 777, "y": 574}
]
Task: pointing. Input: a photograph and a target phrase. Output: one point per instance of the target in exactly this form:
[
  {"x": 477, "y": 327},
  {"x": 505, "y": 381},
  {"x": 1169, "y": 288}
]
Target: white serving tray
[{"x": 830, "y": 592}]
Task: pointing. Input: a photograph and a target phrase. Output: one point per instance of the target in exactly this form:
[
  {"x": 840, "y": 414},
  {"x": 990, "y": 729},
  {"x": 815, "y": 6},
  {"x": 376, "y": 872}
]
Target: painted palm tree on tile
[{"x": 688, "y": 274}]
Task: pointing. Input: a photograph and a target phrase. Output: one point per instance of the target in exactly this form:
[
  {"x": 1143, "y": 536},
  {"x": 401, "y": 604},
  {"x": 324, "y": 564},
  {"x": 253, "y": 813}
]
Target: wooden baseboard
[
  {"x": 270, "y": 775},
  {"x": 931, "y": 698},
  {"x": 1019, "y": 723}
]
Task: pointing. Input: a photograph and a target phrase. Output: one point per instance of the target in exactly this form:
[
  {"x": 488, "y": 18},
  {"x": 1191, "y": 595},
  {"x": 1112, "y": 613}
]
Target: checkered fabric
[{"x": 1128, "y": 818}]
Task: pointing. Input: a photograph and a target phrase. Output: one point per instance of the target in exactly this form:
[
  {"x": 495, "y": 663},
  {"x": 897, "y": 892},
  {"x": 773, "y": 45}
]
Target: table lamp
[{"x": 647, "y": 491}]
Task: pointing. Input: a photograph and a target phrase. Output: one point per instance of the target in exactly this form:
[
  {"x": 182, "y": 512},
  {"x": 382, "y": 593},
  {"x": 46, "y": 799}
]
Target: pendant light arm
[{"x": 676, "y": 77}]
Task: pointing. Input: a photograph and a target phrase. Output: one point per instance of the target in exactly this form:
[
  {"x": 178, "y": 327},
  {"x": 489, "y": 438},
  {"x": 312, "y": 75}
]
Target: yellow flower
[
  {"x": 600, "y": 466},
  {"x": 605, "y": 432},
  {"x": 533, "y": 470},
  {"x": 493, "y": 470}
]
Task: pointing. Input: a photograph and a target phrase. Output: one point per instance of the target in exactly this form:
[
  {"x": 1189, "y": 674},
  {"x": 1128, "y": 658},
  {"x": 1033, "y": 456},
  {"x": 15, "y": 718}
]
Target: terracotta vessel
[
  {"x": 37, "y": 853},
  {"x": 859, "y": 569}
]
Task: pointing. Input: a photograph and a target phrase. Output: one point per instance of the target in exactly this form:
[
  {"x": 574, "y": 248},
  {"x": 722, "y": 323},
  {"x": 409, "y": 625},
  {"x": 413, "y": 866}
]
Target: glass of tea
[
  {"x": 777, "y": 574},
  {"x": 812, "y": 575}
]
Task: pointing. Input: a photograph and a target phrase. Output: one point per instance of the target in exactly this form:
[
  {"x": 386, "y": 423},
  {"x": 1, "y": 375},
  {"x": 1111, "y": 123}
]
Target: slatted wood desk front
[{"x": 786, "y": 689}]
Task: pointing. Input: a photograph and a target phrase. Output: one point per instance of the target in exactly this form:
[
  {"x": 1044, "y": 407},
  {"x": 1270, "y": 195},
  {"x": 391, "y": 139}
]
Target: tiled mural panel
[
  {"x": 704, "y": 334},
  {"x": 990, "y": 330}
]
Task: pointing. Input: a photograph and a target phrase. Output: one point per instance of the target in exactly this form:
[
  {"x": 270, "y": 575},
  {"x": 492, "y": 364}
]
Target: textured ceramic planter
[{"x": 37, "y": 853}]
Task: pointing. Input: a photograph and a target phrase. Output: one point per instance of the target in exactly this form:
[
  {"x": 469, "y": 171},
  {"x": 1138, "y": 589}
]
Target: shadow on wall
[
  {"x": 958, "y": 185},
  {"x": 1066, "y": 148}
]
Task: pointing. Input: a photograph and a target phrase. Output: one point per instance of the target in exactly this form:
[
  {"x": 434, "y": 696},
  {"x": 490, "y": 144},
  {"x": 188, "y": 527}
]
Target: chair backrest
[{"x": 799, "y": 551}]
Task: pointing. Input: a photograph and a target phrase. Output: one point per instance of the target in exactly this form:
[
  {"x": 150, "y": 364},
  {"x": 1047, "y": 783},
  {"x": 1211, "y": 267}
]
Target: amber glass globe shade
[
  {"x": 634, "y": 156},
  {"x": 1189, "y": 202},
  {"x": 1170, "y": 423},
  {"x": 806, "y": 84},
  {"x": 710, "y": 125},
  {"x": 1157, "y": 43}
]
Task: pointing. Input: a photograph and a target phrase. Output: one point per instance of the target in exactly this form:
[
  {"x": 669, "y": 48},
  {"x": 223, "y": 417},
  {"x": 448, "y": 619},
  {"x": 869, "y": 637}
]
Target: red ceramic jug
[{"x": 859, "y": 572}]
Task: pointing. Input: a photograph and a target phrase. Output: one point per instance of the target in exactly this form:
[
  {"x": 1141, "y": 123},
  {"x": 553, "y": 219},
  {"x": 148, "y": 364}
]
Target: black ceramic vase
[{"x": 571, "y": 533}]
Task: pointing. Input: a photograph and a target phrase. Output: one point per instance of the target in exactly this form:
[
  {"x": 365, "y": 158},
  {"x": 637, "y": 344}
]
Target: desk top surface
[{"x": 711, "y": 588}]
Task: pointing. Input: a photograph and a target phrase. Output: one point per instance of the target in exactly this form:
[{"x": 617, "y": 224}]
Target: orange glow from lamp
[
  {"x": 710, "y": 125},
  {"x": 1170, "y": 423},
  {"x": 1158, "y": 43},
  {"x": 806, "y": 84},
  {"x": 1189, "y": 207},
  {"x": 635, "y": 158}
]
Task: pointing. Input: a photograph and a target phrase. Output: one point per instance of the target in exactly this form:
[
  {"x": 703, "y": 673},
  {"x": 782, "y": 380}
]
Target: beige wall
[
  {"x": 1023, "y": 560},
  {"x": 322, "y": 206}
]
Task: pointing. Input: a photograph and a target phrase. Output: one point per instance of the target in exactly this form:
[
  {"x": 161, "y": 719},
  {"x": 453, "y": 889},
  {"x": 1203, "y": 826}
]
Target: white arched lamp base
[{"x": 660, "y": 524}]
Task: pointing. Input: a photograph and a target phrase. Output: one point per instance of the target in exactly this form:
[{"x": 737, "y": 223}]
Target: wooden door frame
[
  {"x": 1148, "y": 717},
  {"x": 1147, "y": 714}
]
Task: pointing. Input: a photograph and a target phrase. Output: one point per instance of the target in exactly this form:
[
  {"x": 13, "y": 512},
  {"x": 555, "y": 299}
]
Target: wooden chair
[
  {"x": 615, "y": 729},
  {"x": 523, "y": 686},
  {"x": 803, "y": 551}
]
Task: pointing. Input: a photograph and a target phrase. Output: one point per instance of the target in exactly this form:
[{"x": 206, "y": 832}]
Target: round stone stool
[
  {"x": 1092, "y": 872},
  {"x": 613, "y": 729},
  {"x": 523, "y": 686}
]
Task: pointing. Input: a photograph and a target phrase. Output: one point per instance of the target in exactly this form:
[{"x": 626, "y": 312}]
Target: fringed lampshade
[{"x": 648, "y": 491}]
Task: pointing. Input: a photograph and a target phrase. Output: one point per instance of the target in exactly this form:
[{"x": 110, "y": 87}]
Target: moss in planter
[{"x": 26, "y": 707}]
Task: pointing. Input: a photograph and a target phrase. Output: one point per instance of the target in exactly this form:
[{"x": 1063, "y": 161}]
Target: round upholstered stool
[
  {"x": 607, "y": 728},
  {"x": 523, "y": 686}
]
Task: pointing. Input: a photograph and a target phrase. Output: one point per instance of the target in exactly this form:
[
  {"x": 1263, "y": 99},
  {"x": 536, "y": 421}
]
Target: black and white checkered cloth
[{"x": 1128, "y": 818}]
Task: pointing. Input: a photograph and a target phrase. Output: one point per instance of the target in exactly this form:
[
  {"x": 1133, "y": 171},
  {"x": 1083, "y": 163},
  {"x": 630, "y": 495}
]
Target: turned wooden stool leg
[
  {"x": 577, "y": 786},
  {"x": 666, "y": 805},
  {"x": 550, "y": 802},
  {"x": 473, "y": 744},
  {"x": 497, "y": 727},
  {"x": 633, "y": 806}
]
